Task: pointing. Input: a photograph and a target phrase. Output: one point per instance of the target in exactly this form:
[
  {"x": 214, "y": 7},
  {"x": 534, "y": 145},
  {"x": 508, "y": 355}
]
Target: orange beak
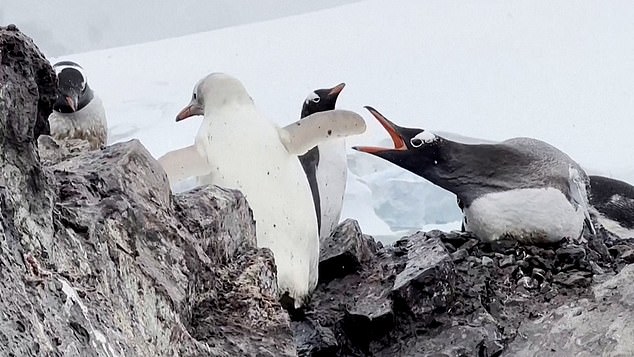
[{"x": 391, "y": 128}]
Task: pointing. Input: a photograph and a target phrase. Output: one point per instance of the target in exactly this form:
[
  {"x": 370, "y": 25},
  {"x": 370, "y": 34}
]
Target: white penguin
[
  {"x": 78, "y": 112},
  {"x": 236, "y": 147},
  {"x": 326, "y": 165}
]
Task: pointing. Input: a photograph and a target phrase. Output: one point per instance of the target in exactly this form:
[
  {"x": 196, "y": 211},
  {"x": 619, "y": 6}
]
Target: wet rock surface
[
  {"x": 448, "y": 294},
  {"x": 97, "y": 258}
]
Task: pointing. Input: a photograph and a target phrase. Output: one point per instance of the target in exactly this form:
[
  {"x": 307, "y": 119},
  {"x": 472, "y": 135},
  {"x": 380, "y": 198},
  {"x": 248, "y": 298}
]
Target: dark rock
[
  {"x": 507, "y": 261},
  {"x": 628, "y": 256},
  {"x": 527, "y": 283},
  {"x": 599, "y": 326},
  {"x": 572, "y": 279},
  {"x": 623, "y": 252},
  {"x": 372, "y": 315},
  {"x": 571, "y": 254},
  {"x": 426, "y": 283},
  {"x": 314, "y": 340},
  {"x": 25, "y": 74},
  {"x": 99, "y": 259},
  {"x": 459, "y": 255},
  {"x": 480, "y": 337},
  {"x": 344, "y": 251},
  {"x": 486, "y": 261}
]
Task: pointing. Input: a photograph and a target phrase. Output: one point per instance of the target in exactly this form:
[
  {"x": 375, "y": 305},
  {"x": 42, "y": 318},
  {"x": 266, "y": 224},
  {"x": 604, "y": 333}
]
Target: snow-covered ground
[
  {"x": 72, "y": 26},
  {"x": 562, "y": 72}
]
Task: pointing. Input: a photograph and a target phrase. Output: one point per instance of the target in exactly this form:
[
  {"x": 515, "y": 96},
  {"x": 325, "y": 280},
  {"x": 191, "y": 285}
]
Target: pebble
[
  {"x": 527, "y": 283},
  {"x": 508, "y": 261}
]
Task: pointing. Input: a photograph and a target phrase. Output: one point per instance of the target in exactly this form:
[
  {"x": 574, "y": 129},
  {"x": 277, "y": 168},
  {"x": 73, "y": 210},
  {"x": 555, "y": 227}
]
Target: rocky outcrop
[
  {"x": 99, "y": 259},
  {"x": 447, "y": 294}
]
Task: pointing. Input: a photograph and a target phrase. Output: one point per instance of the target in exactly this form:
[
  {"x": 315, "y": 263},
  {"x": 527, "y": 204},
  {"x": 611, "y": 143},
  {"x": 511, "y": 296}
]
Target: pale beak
[{"x": 189, "y": 111}]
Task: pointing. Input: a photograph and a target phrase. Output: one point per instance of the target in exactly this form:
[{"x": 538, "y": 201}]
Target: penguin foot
[{"x": 296, "y": 313}]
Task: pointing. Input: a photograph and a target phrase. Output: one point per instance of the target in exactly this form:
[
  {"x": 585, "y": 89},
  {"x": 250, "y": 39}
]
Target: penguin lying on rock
[{"x": 521, "y": 188}]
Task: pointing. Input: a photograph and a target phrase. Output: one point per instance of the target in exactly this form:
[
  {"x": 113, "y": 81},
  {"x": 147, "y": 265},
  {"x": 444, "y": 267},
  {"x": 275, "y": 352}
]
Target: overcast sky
[{"x": 62, "y": 27}]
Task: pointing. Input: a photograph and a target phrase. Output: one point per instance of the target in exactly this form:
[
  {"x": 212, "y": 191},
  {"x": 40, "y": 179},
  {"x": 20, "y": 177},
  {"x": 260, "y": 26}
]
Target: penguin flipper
[
  {"x": 183, "y": 163},
  {"x": 314, "y": 129},
  {"x": 579, "y": 196}
]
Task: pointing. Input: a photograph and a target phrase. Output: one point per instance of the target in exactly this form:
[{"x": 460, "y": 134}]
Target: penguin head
[
  {"x": 414, "y": 149},
  {"x": 321, "y": 100},
  {"x": 73, "y": 92},
  {"x": 214, "y": 91}
]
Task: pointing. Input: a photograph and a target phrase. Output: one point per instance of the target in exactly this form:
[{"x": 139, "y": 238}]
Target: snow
[
  {"x": 481, "y": 71},
  {"x": 73, "y": 26}
]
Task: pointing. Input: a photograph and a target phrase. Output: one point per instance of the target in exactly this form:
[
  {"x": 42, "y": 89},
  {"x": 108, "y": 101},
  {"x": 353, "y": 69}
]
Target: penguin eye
[
  {"x": 194, "y": 96},
  {"x": 316, "y": 100},
  {"x": 424, "y": 137}
]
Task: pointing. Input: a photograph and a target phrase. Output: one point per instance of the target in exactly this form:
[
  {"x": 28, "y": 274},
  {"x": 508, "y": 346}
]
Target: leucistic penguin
[
  {"x": 238, "y": 148},
  {"x": 78, "y": 112},
  {"x": 326, "y": 164},
  {"x": 521, "y": 188},
  {"x": 612, "y": 202}
]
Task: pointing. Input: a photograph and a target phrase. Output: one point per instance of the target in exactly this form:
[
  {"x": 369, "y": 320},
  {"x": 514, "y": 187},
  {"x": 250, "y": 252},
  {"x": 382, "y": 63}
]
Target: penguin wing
[
  {"x": 579, "y": 195},
  {"x": 314, "y": 129},
  {"x": 183, "y": 163}
]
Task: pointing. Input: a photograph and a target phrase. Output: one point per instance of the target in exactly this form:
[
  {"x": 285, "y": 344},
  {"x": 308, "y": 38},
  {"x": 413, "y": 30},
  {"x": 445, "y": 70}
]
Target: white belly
[
  {"x": 527, "y": 215},
  {"x": 331, "y": 181},
  {"x": 277, "y": 190},
  {"x": 89, "y": 123}
]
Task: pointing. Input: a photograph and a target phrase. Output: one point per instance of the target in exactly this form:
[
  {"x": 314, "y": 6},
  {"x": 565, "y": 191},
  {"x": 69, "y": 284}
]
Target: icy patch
[{"x": 445, "y": 227}]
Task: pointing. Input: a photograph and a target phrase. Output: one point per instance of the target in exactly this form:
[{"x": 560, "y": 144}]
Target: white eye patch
[
  {"x": 59, "y": 68},
  {"x": 424, "y": 137},
  {"x": 313, "y": 97}
]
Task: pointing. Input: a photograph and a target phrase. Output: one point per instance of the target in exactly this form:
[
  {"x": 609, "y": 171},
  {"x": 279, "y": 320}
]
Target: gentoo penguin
[
  {"x": 326, "y": 164},
  {"x": 521, "y": 188},
  {"x": 612, "y": 202},
  {"x": 78, "y": 112},
  {"x": 238, "y": 148}
]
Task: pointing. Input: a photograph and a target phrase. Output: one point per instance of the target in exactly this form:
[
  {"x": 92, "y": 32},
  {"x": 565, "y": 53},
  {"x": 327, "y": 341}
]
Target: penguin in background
[
  {"x": 78, "y": 112},
  {"x": 325, "y": 164},
  {"x": 612, "y": 202}
]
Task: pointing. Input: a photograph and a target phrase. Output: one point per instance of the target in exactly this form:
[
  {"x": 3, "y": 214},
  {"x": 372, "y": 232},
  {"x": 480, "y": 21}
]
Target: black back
[
  {"x": 614, "y": 199},
  {"x": 310, "y": 160}
]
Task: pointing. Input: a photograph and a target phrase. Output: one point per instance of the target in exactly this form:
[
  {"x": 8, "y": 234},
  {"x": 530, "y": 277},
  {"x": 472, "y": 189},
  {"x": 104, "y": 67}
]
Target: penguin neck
[{"x": 86, "y": 97}]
